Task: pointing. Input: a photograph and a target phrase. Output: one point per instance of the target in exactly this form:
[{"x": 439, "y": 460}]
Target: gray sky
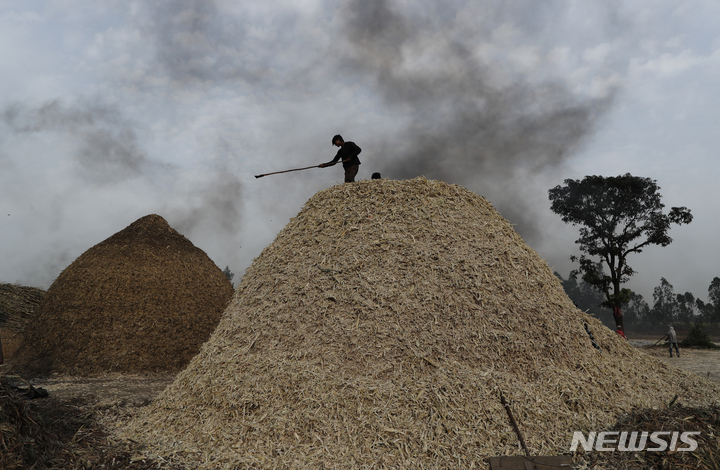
[{"x": 112, "y": 110}]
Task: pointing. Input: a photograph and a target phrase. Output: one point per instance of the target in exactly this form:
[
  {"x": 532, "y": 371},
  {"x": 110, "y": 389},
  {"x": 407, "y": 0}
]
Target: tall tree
[
  {"x": 618, "y": 215},
  {"x": 687, "y": 307},
  {"x": 586, "y": 297},
  {"x": 665, "y": 308},
  {"x": 705, "y": 310},
  {"x": 714, "y": 299}
]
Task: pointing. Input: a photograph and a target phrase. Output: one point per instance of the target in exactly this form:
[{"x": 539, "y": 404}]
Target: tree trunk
[{"x": 617, "y": 315}]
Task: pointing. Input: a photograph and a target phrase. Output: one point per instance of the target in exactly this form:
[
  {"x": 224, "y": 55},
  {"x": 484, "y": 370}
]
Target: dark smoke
[
  {"x": 107, "y": 143},
  {"x": 469, "y": 121},
  {"x": 186, "y": 38},
  {"x": 195, "y": 43},
  {"x": 218, "y": 203}
]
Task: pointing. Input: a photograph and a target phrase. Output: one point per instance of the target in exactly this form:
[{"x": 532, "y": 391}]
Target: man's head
[{"x": 338, "y": 140}]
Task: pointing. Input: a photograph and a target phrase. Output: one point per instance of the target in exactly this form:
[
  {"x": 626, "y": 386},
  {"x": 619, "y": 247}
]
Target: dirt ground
[
  {"x": 106, "y": 390},
  {"x": 703, "y": 362},
  {"x": 63, "y": 431}
]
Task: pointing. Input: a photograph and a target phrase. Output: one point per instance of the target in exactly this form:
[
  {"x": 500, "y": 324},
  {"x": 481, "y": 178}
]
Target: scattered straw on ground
[
  {"x": 377, "y": 330},
  {"x": 679, "y": 419},
  {"x": 144, "y": 300},
  {"x": 54, "y": 433}
]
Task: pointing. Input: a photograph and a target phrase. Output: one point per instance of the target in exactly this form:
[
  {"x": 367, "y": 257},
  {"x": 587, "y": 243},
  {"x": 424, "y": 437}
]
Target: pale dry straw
[{"x": 377, "y": 330}]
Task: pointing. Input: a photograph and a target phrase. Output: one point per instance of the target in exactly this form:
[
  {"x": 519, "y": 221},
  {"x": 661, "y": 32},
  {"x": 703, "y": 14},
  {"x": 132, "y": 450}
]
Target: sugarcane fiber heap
[
  {"x": 17, "y": 308},
  {"x": 144, "y": 300},
  {"x": 377, "y": 331}
]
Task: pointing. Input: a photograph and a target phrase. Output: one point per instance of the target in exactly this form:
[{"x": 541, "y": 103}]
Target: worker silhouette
[
  {"x": 672, "y": 340},
  {"x": 348, "y": 155}
]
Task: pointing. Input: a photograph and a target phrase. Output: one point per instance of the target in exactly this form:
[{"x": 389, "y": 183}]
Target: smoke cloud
[
  {"x": 107, "y": 143},
  {"x": 197, "y": 42},
  {"x": 473, "y": 116},
  {"x": 97, "y": 161},
  {"x": 187, "y": 99},
  {"x": 214, "y": 203}
]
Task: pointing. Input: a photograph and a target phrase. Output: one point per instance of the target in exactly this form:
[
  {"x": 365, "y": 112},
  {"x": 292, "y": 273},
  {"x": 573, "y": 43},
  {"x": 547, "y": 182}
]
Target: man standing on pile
[{"x": 348, "y": 155}]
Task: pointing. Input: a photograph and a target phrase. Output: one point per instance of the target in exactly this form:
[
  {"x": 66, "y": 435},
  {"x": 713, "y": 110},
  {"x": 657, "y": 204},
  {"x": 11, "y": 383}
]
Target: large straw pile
[
  {"x": 377, "y": 331},
  {"x": 145, "y": 299}
]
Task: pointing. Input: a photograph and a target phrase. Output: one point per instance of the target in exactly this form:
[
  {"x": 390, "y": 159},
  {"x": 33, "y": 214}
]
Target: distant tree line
[
  {"x": 229, "y": 275},
  {"x": 667, "y": 306}
]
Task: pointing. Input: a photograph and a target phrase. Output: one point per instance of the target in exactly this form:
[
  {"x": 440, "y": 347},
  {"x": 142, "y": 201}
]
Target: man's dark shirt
[{"x": 349, "y": 151}]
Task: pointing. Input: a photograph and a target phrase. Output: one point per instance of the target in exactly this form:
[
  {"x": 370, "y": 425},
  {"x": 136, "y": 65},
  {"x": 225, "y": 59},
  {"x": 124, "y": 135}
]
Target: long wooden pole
[
  {"x": 306, "y": 168},
  {"x": 286, "y": 171},
  {"x": 514, "y": 423}
]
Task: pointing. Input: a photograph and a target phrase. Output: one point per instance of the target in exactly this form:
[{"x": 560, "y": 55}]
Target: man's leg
[{"x": 350, "y": 173}]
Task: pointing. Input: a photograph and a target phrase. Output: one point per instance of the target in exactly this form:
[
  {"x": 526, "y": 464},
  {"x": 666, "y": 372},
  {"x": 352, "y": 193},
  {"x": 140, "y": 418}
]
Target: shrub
[{"x": 697, "y": 336}]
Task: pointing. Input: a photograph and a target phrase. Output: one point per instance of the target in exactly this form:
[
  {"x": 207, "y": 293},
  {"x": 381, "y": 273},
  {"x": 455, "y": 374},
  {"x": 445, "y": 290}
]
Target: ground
[
  {"x": 704, "y": 362},
  {"x": 106, "y": 390},
  {"x": 69, "y": 437},
  {"x": 62, "y": 430}
]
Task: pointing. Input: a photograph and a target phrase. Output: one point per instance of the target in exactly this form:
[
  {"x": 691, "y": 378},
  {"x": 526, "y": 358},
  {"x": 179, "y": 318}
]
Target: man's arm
[{"x": 338, "y": 156}]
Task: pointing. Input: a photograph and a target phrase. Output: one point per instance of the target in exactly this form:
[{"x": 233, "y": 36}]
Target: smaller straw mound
[
  {"x": 377, "y": 331},
  {"x": 143, "y": 300},
  {"x": 17, "y": 305}
]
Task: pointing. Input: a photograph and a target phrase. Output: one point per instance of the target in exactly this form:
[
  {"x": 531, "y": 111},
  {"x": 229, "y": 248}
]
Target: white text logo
[{"x": 635, "y": 441}]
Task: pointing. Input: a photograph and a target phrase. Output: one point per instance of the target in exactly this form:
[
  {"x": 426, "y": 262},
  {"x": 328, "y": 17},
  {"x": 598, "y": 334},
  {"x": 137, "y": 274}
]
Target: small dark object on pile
[{"x": 592, "y": 338}]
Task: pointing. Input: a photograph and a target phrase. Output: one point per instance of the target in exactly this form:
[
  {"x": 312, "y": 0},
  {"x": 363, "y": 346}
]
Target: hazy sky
[{"x": 112, "y": 110}]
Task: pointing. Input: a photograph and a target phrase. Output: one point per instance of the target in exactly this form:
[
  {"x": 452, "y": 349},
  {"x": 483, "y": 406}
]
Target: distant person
[
  {"x": 620, "y": 332},
  {"x": 348, "y": 155},
  {"x": 376, "y": 176},
  {"x": 672, "y": 339}
]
